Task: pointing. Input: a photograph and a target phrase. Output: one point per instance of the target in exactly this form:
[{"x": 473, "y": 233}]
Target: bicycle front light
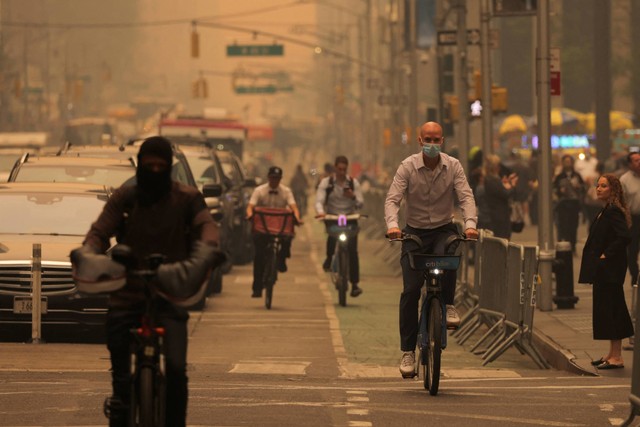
[
  {"x": 342, "y": 237},
  {"x": 436, "y": 271}
]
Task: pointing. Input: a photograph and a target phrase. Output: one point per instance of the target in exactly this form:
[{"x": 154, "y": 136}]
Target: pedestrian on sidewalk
[
  {"x": 569, "y": 189},
  {"x": 498, "y": 193},
  {"x": 604, "y": 264}
]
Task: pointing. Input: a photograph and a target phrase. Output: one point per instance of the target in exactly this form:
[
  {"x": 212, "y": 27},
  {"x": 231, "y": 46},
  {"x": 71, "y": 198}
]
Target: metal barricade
[
  {"x": 634, "y": 396},
  {"x": 492, "y": 292},
  {"x": 518, "y": 322}
]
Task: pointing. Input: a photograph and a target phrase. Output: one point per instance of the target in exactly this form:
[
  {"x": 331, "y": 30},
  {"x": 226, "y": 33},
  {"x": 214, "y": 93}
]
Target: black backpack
[{"x": 331, "y": 185}]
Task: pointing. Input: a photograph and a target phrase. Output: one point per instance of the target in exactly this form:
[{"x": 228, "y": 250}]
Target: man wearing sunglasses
[{"x": 430, "y": 182}]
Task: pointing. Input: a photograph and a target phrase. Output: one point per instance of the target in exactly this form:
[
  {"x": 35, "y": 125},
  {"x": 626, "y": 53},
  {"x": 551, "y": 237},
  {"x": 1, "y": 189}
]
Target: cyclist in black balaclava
[
  {"x": 153, "y": 174},
  {"x": 156, "y": 216}
]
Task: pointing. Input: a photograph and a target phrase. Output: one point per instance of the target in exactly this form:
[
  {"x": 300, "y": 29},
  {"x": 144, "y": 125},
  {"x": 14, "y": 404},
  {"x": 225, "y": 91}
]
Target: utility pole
[
  {"x": 487, "y": 108},
  {"x": 463, "y": 85},
  {"x": 413, "y": 78},
  {"x": 602, "y": 71},
  {"x": 545, "y": 224}
]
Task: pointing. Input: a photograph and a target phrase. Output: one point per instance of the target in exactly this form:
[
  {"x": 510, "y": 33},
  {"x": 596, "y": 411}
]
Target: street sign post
[
  {"x": 255, "y": 50},
  {"x": 554, "y": 72}
]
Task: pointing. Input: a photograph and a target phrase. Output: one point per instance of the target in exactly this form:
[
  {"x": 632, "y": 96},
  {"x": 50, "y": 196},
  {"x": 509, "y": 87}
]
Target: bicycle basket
[
  {"x": 273, "y": 221},
  {"x": 423, "y": 262}
]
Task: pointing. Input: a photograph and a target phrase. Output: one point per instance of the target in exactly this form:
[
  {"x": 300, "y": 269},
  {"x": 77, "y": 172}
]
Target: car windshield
[
  {"x": 112, "y": 176},
  {"x": 44, "y": 213},
  {"x": 203, "y": 169}
]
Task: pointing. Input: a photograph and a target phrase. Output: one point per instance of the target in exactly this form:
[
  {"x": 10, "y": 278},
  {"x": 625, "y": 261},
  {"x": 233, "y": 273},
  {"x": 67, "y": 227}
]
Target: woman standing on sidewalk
[{"x": 604, "y": 264}]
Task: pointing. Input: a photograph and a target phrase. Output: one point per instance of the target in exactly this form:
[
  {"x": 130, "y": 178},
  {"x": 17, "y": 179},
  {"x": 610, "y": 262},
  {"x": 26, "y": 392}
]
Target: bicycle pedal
[
  {"x": 452, "y": 327},
  {"x": 409, "y": 376}
]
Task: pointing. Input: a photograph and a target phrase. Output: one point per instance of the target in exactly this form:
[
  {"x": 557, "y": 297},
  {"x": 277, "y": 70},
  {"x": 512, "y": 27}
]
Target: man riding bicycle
[
  {"x": 340, "y": 194},
  {"x": 155, "y": 216},
  {"x": 270, "y": 195},
  {"x": 430, "y": 182}
]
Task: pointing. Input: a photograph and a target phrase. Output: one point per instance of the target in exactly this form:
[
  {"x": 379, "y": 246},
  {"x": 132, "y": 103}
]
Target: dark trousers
[
  {"x": 633, "y": 248},
  {"x": 567, "y": 213},
  {"x": 174, "y": 319},
  {"x": 260, "y": 242},
  {"x": 352, "y": 247},
  {"x": 432, "y": 243}
]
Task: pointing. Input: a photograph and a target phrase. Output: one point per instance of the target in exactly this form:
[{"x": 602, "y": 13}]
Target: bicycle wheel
[
  {"x": 343, "y": 276},
  {"x": 434, "y": 350},
  {"x": 146, "y": 399},
  {"x": 269, "y": 276}
]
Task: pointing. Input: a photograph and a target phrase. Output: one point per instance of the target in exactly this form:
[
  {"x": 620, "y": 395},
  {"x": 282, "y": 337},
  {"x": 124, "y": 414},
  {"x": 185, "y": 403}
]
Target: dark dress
[{"x": 608, "y": 235}]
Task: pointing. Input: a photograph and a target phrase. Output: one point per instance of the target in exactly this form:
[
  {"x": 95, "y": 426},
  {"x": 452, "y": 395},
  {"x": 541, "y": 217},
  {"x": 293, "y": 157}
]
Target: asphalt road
[{"x": 309, "y": 362}]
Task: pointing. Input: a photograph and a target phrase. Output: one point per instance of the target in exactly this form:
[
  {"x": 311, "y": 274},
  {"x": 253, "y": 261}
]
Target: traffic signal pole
[
  {"x": 487, "y": 108},
  {"x": 463, "y": 85},
  {"x": 545, "y": 227}
]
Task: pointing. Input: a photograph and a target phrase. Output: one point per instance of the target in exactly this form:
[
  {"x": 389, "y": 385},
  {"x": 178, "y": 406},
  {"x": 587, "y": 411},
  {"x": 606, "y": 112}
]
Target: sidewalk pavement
[{"x": 564, "y": 336}]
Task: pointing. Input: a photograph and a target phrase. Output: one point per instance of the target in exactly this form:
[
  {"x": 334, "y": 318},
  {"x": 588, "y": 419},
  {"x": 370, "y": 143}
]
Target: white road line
[
  {"x": 616, "y": 421},
  {"x": 508, "y": 420},
  {"x": 360, "y": 412},
  {"x": 357, "y": 399},
  {"x": 334, "y": 323},
  {"x": 606, "y": 407}
]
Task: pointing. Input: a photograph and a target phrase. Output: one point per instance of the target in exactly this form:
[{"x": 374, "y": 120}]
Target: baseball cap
[{"x": 275, "y": 171}]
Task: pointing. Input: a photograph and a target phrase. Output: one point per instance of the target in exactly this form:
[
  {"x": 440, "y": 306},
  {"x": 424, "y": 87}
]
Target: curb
[{"x": 557, "y": 356}]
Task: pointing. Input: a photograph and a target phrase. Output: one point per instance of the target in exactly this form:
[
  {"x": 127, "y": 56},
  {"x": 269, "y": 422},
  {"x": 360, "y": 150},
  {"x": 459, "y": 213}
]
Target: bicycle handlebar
[{"x": 334, "y": 217}]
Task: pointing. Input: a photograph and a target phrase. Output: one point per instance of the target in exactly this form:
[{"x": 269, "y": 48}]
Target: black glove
[{"x": 184, "y": 279}]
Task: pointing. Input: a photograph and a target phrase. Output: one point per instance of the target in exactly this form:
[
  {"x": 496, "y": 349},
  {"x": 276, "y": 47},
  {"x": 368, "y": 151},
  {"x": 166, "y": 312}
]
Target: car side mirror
[{"x": 212, "y": 190}]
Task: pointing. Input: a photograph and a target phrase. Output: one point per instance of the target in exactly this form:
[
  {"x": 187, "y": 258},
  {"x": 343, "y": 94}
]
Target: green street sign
[
  {"x": 255, "y": 50},
  {"x": 255, "y": 89}
]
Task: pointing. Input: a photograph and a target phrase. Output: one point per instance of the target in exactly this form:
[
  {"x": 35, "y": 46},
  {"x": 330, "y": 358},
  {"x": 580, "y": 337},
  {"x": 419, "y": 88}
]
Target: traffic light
[
  {"x": 195, "y": 43},
  {"x": 386, "y": 135},
  {"x": 499, "y": 99},
  {"x": 499, "y": 94},
  {"x": 17, "y": 88},
  {"x": 339, "y": 94},
  {"x": 452, "y": 110},
  {"x": 200, "y": 88}
]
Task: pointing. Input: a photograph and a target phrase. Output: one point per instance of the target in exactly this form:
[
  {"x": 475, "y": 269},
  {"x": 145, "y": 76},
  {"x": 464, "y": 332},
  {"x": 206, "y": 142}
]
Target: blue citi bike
[{"x": 432, "y": 332}]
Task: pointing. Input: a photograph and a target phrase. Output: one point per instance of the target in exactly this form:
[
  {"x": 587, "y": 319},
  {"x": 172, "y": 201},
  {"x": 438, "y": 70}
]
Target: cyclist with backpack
[
  {"x": 155, "y": 216},
  {"x": 340, "y": 194}
]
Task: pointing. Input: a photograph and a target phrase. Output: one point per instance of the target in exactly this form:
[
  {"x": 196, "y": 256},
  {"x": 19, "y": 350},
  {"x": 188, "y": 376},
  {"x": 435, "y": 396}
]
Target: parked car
[
  {"x": 57, "y": 216},
  {"x": 112, "y": 167},
  {"x": 14, "y": 144},
  {"x": 241, "y": 187},
  {"x": 207, "y": 171}
]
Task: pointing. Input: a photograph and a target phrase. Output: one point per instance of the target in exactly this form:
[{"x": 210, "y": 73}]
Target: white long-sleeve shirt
[
  {"x": 430, "y": 194},
  {"x": 336, "y": 203}
]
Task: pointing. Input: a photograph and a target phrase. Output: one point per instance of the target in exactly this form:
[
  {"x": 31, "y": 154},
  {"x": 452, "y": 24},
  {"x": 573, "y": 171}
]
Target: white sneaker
[
  {"x": 453, "y": 318},
  {"x": 407, "y": 365}
]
